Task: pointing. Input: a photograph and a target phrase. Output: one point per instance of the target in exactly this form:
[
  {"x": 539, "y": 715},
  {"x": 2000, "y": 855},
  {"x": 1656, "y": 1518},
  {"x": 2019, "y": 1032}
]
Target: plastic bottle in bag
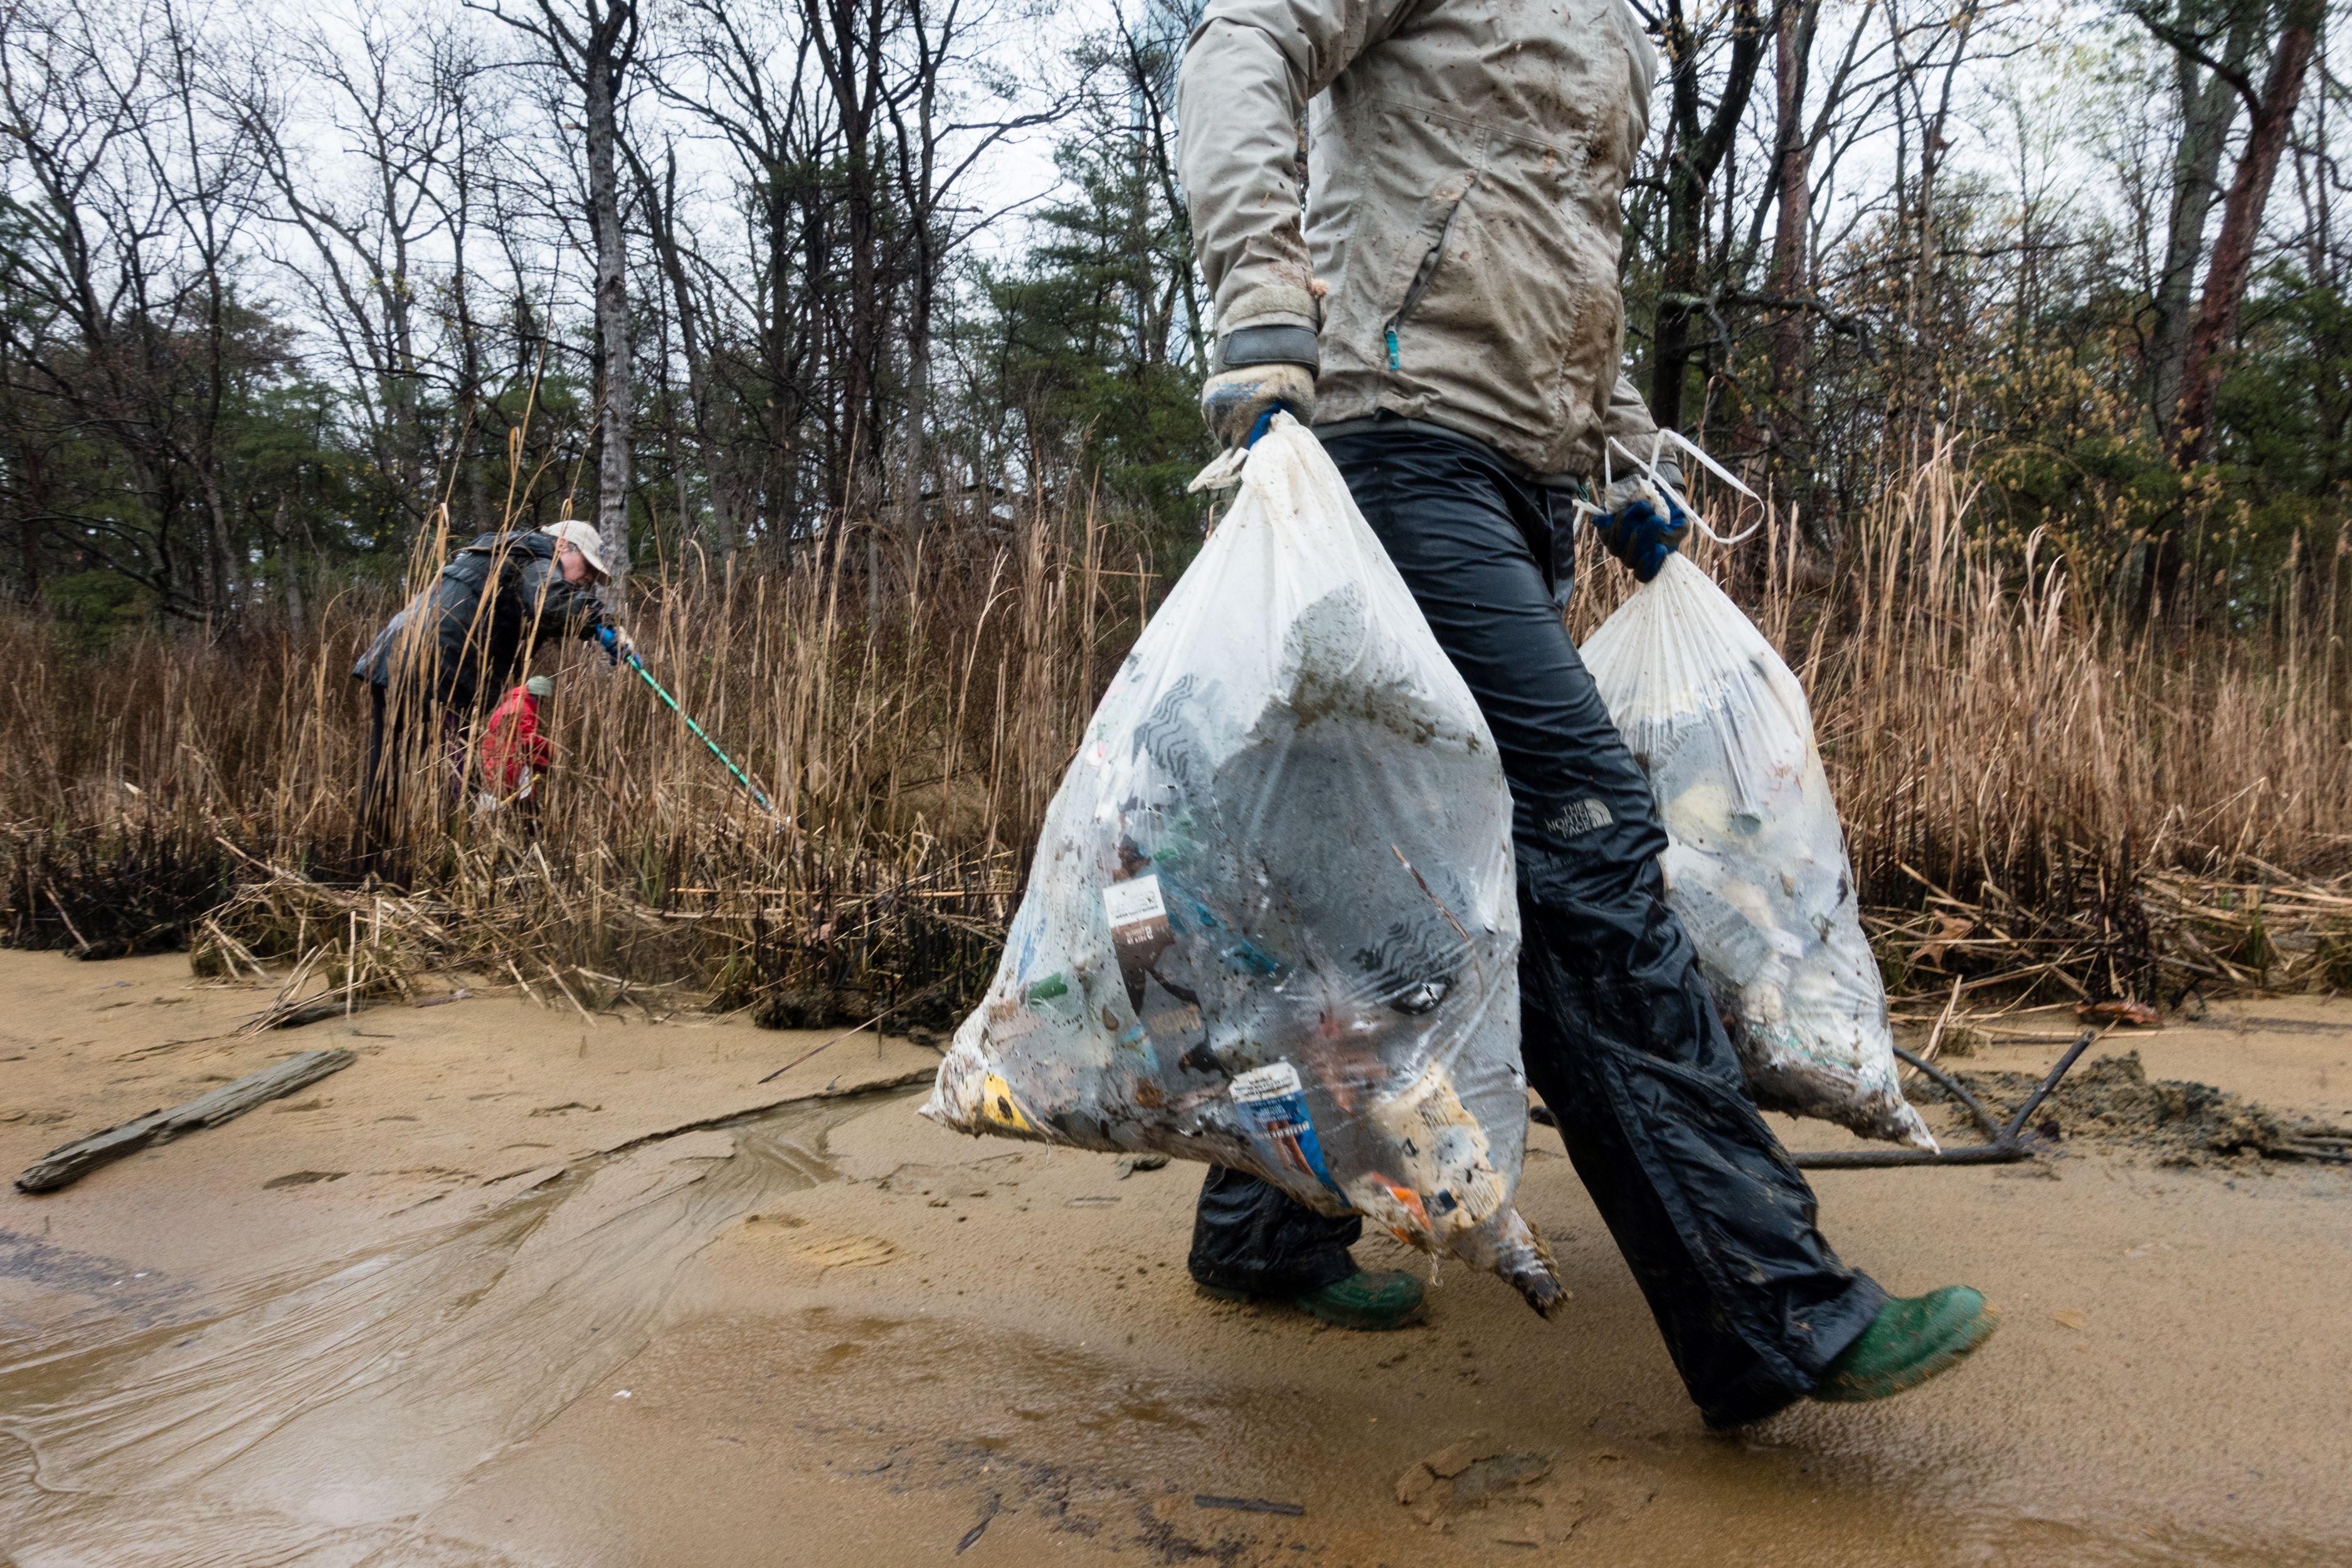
[
  {"x": 1758, "y": 870},
  {"x": 1270, "y": 923}
]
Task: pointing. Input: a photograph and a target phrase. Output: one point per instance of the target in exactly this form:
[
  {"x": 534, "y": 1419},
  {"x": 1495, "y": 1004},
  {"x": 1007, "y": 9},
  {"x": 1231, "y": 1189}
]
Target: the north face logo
[{"x": 1578, "y": 817}]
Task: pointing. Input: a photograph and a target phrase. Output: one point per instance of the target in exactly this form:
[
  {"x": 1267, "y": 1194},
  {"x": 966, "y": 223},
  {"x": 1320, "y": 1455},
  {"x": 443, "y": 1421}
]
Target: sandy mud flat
[{"x": 518, "y": 1290}]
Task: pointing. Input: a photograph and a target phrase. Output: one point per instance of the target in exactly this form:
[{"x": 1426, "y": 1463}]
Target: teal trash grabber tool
[{"x": 687, "y": 718}]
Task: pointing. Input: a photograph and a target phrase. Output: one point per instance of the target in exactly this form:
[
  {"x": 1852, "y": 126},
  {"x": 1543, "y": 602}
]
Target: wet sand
[{"x": 514, "y": 1290}]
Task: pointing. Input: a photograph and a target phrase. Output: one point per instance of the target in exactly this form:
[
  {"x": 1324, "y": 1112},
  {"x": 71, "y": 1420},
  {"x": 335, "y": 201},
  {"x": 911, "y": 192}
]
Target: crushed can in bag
[
  {"x": 1757, "y": 869},
  {"x": 1272, "y": 923}
]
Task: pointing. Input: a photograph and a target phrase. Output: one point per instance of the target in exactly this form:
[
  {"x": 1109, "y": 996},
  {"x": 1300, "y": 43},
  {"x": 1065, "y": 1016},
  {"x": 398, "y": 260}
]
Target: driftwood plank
[{"x": 68, "y": 1163}]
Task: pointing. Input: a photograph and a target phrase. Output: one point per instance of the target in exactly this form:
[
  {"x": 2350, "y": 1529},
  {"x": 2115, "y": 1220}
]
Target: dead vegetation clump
[{"x": 2159, "y": 936}]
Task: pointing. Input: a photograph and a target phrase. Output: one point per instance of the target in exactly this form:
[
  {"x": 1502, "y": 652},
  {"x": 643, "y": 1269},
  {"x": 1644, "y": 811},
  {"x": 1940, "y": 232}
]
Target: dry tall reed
[
  {"x": 907, "y": 737},
  {"x": 2008, "y": 762},
  {"x": 2012, "y": 771}
]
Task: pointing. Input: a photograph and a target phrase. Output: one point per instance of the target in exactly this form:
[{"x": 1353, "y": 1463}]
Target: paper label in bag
[
  {"x": 1138, "y": 930},
  {"x": 1271, "y": 1101},
  {"x": 1130, "y": 903}
]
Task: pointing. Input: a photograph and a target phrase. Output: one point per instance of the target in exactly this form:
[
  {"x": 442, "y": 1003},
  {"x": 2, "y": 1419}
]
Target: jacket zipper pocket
[{"x": 1424, "y": 272}]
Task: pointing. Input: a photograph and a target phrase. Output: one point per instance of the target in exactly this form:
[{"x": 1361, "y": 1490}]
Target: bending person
[{"x": 497, "y": 601}]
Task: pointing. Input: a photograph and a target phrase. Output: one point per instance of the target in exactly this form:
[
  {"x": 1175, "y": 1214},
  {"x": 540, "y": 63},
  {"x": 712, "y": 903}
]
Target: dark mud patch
[
  {"x": 2111, "y": 1101},
  {"x": 302, "y": 1179}
]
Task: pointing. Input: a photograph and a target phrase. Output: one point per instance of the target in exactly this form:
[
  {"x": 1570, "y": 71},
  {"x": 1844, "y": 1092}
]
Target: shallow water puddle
[{"x": 304, "y": 1414}]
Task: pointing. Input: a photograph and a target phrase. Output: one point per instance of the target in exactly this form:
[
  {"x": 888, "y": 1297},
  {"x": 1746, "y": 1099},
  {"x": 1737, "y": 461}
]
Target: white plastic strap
[
  {"x": 1650, "y": 471},
  {"x": 1712, "y": 467}
]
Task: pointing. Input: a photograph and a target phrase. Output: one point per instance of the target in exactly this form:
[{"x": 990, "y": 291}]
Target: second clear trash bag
[
  {"x": 1272, "y": 923},
  {"x": 1757, "y": 869}
]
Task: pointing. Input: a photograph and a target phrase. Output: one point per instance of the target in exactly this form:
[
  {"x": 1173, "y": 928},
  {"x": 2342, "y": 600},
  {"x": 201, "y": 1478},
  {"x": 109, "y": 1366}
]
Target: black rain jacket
[{"x": 498, "y": 598}]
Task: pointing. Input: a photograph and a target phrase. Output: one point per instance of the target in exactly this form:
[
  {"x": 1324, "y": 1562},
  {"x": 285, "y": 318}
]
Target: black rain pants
[{"x": 1617, "y": 1031}]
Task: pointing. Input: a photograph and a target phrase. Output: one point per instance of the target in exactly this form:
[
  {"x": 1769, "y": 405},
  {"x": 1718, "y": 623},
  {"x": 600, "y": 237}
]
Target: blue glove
[
  {"x": 610, "y": 639},
  {"x": 1640, "y": 525}
]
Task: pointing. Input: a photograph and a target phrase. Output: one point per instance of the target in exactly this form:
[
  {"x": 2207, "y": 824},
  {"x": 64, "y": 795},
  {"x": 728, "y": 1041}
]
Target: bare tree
[
  {"x": 933, "y": 155},
  {"x": 365, "y": 238},
  {"x": 592, "y": 46},
  {"x": 458, "y": 80},
  {"x": 124, "y": 319},
  {"x": 1700, "y": 139},
  {"x": 2271, "y": 115},
  {"x": 1794, "y": 28},
  {"x": 739, "y": 73},
  {"x": 2206, "y": 100}
]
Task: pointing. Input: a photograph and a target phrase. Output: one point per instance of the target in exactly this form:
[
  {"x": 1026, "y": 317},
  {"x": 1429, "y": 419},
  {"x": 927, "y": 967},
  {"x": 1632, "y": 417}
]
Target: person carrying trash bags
[
  {"x": 1465, "y": 167},
  {"x": 499, "y": 599}
]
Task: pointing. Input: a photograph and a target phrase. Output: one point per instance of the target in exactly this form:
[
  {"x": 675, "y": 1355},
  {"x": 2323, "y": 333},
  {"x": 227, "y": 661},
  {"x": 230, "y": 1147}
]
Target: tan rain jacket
[{"x": 1466, "y": 160}]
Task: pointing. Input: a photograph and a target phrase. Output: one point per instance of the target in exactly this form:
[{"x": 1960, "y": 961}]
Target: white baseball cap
[{"x": 582, "y": 537}]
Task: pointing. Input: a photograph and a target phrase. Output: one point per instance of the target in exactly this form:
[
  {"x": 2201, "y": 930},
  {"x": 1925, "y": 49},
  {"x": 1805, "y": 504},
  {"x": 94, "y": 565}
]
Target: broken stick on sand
[{"x": 71, "y": 1162}]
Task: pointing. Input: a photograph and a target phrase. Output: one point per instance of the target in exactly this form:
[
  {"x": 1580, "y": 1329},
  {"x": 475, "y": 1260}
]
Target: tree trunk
[
  {"x": 1791, "y": 275},
  {"x": 918, "y": 392},
  {"x": 1678, "y": 278},
  {"x": 849, "y": 37},
  {"x": 1792, "y": 233},
  {"x": 783, "y": 406},
  {"x": 2207, "y": 108},
  {"x": 404, "y": 393},
  {"x": 28, "y": 545},
  {"x": 467, "y": 440},
  {"x": 924, "y": 286},
  {"x": 227, "y": 578},
  {"x": 661, "y": 210},
  {"x": 2241, "y": 219},
  {"x": 614, "y": 416},
  {"x": 1698, "y": 153},
  {"x": 290, "y": 569},
  {"x": 33, "y": 507},
  {"x": 858, "y": 380}
]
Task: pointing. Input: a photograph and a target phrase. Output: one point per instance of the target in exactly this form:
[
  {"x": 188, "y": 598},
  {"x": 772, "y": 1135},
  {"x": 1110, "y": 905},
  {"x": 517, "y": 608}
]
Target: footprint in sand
[{"x": 846, "y": 1252}]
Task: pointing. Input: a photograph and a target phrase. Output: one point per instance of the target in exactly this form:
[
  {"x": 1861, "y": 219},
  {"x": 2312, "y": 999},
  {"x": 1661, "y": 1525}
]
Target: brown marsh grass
[{"x": 2015, "y": 774}]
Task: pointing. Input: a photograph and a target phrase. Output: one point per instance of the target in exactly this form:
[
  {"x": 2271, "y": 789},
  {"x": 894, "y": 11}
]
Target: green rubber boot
[
  {"x": 1372, "y": 1300},
  {"x": 1912, "y": 1339}
]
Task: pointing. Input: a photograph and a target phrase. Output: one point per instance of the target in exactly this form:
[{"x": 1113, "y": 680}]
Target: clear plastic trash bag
[
  {"x": 1272, "y": 922},
  {"x": 1757, "y": 869}
]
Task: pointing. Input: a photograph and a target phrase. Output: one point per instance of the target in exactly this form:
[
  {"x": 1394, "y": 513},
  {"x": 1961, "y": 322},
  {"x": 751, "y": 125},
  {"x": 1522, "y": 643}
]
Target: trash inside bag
[
  {"x": 1757, "y": 869},
  {"x": 1272, "y": 924}
]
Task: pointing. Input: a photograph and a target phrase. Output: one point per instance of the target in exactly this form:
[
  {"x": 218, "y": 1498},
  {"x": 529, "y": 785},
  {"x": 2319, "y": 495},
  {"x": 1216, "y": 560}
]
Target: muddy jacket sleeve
[
  {"x": 1248, "y": 72},
  {"x": 1628, "y": 420},
  {"x": 1628, "y": 417}
]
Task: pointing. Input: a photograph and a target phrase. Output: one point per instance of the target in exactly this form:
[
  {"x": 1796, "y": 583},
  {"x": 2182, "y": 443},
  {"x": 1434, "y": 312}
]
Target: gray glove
[{"x": 1235, "y": 402}]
